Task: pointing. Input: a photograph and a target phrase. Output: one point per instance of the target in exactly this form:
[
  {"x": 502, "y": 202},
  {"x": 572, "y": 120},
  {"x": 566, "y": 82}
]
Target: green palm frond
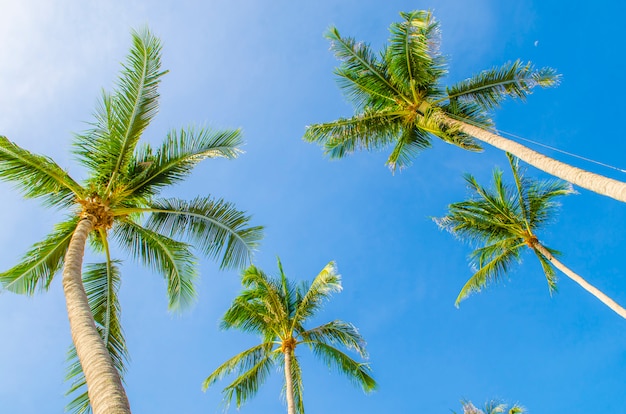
[
  {"x": 415, "y": 63},
  {"x": 216, "y": 227},
  {"x": 536, "y": 198},
  {"x": 476, "y": 222},
  {"x": 363, "y": 78},
  {"x": 251, "y": 315},
  {"x": 492, "y": 263},
  {"x": 371, "y": 130},
  {"x": 513, "y": 79},
  {"x": 174, "y": 160},
  {"x": 337, "y": 332},
  {"x": 102, "y": 282},
  {"x": 170, "y": 258},
  {"x": 549, "y": 271},
  {"x": 266, "y": 293},
  {"x": 253, "y": 365},
  {"x": 357, "y": 372},
  {"x": 489, "y": 215},
  {"x": 431, "y": 122},
  {"x": 41, "y": 262},
  {"x": 123, "y": 116},
  {"x": 289, "y": 292},
  {"x": 541, "y": 200},
  {"x": 327, "y": 282},
  {"x": 411, "y": 142},
  {"x": 468, "y": 112},
  {"x": 36, "y": 176}
]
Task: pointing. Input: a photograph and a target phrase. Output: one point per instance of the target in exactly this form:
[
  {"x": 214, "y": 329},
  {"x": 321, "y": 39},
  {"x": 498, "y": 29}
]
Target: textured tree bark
[
  {"x": 104, "y": 386},
  {"x": 585, "y": 179},
  {"x": 582, "y": 282},
  {"x": 291, "y": 407}
]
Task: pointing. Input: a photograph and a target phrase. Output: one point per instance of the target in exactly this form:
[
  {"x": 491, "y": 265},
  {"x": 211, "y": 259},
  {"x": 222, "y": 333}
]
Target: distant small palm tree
[
  {"x": 491, "y": 407},
  {"x": 504, "y": 220},
  {"x": 277, "y": 310},
  {"x": 119, "y": 199},
  {"x": 400, "y": 101}
]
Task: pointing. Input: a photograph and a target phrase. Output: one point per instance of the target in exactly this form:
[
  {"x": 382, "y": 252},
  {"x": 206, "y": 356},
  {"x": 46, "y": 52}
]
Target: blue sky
[{"x": 265, "y": 67}]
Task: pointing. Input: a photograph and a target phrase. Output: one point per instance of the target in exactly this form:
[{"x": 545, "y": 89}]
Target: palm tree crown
[
  {"x": 400, "y": 101},
  {"x": 504, "y": 221},
  {"x": 492, "y": 407},
  {"x": 276, "y": 309},
  {"x": 119, "y": 200}
]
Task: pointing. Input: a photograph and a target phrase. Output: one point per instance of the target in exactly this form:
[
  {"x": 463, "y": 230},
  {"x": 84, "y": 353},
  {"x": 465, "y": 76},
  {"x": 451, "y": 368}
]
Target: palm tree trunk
[
  {"x": 585, "y": 179},
  {"x": 291, "y": 407},
  {"x": 582, "y": 282},
  {"x": 106, "y": 393}
]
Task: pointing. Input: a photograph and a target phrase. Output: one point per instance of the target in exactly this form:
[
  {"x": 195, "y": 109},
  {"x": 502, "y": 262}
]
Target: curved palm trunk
[
  {"x": 585, "y": 179},
  {"x": 582, "y": 282},
  {"x": 291, "y": 407},
  {"x": 106, "y": 393}
]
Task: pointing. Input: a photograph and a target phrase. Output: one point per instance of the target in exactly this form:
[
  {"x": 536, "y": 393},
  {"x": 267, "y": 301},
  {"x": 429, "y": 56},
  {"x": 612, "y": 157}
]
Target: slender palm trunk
[
  {"x": 291, "y": 407},
  {"x": 106, "y": 393},
  {"x": 582, "y": 282},
  {"x": 585, "y": 179}
]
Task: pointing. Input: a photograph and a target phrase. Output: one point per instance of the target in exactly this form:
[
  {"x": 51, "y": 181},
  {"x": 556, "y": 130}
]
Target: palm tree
[
  {"x": 399, "y": 100},
  {"x": 492, "y": 407},
  {"x": 505, "y": 221},
  {"x": 276, "y": 309},
  {"x": 119, "y": 199}
]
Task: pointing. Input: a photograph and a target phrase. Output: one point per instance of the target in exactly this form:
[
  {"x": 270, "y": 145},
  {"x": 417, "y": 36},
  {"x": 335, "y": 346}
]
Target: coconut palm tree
[
  {"x": 277, "y": 309},
  {"x": 400, "y": 101},
  {"x": 119, "y": 200},
  {"x": 504, "y": 221}
]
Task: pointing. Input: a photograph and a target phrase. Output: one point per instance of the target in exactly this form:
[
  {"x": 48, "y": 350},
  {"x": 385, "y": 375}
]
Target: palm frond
[
  {"x": 102, "y": 282},
  {"x": 548, "y": 269},
  {"x": 262, "y": 295},
  {"x": 489, "y": 215},
  {"x": 327, "y": 282},
  {"x": 36, "y": 176},
  {"x": 124, "y": 115},
  {"x": 337, "y": 332},
  {"x": 218, "y": 229},
  {"x": 370, "y": 131},
  {"x": 357, "y": 372},
  {"x": 178, "y": 155},
  {"x": 513, "y": 79},
  {"x": 41, "y": 262},
  {"x": 522, "y": 189},
  {"x": 541, "y": 200},
  {"x": 433, "y": 122},
  {"x": 253, "y": 365},
  {"x": 411, "y": 142},
  {"x": 289, "y": 292},
  {"x": 362, "y": 77},
  {"x": 476, "y": 223},
  {"x": 492, "y": 263},
  {"x": 170, "y": 258},
  {"x": 468, "y": 112},
  {"x": 250, "y": 314},
  {"x": 415, "y": 62}
]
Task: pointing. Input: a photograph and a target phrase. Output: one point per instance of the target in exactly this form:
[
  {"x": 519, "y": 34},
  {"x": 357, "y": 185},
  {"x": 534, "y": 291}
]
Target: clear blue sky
[{"x": 265, "y": 67}]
